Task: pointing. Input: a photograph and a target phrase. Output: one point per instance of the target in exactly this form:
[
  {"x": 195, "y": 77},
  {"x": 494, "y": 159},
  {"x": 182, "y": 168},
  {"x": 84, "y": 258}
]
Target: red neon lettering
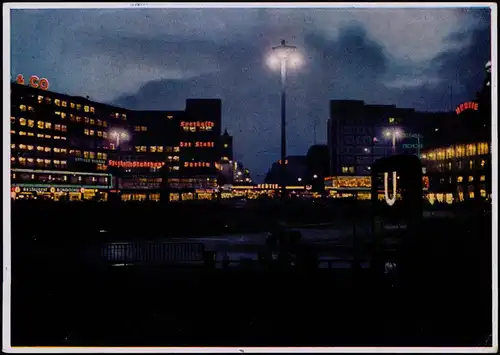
[
  {"x": 44, "y": 84},
  {"x": 476, "y": 106},
  {"x": 20, "y": 79},
  {"x": 34, "y": 81}
]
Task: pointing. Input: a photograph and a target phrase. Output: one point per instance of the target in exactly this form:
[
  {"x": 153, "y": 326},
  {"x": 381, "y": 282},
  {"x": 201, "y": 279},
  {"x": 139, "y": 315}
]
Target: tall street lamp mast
[{"x": 284, "y": 54}]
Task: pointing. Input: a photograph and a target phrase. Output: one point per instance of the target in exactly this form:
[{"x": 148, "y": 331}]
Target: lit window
[
  {"x": 105, "y": 124},
  {"x": 86, "y": 155},
  {"x": 22, "y": 121},
  {"x": 64, "y": 104},
  {"x": 31, "y": 134},
  {"x": 483, "y": 163},
  {"x": 99, "y": 133},
  {"x": 92, "y": 155},
  {"x": 31, "y": 123},
  {"x": 144, "y": 128},
  {"x": 91, "y": 132},
  {"x": 86, "y": 108},
  {"x": 482, "y": 178},
  {"x": 40, "y": 124},
  {"x": 40, "y": 99},
  {"x": 57, "y": 102},
  {"x": 159, "y": 149},
  {"x": 92, "y": 109},
  {"x": 57, "y": 127},
  {"x": 30, "y": 147},
  {"x": 48, "y": 100},
  {"x": 86, "y": 131},
  {"x": 86, "y": 120},
  {"x": 48, "y": 125},
  {"x": 124, "y": 116},
  {"x": 104, "y": 156},
  {"x": 12, "y": 146},
  {"x": 471, "y": 164},
  {"x": 21, "y": 133},
  {"x": 143, "y": 148},
  {"x": 64, "y": 128},
  {"x": 152, "y": 149},
  {"x": 460, "y": 179},
  {"x": 72, "y": 104},
  {"x": 104, "y": 134},
  {"x": 22, "y": 107}
]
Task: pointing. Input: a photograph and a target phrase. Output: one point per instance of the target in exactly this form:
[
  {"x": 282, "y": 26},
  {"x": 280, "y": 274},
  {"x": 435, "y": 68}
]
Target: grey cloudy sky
[{"x": 156, "y": 58}]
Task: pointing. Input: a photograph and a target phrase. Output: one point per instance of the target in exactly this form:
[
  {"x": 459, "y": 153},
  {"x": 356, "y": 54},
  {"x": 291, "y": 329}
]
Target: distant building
[
  {"x": 318, "y": 161},
  {"x": 226, "y": 146},
  {"x": 359, "y": 134},
  {"x": 296, "y": 171}
]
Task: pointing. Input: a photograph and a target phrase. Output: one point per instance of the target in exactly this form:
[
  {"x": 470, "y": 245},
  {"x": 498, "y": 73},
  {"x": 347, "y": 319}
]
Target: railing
[{"x": 153, "y": 253}]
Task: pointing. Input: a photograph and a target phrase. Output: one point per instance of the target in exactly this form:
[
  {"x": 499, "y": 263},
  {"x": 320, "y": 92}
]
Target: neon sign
[
  {"x": 34, "y": 82},
  {"x": 135, "y": 164},
  {"x": 388, "y": 200},
  {"x": 470, "y": 105}
]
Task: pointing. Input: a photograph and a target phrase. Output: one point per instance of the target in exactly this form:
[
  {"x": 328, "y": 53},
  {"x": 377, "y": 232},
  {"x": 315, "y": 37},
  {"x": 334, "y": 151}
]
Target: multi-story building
[
  {"x": 359, "y": 134},
  {"x": 458, "y": 164},
  {"x": 65, "y": 146}
]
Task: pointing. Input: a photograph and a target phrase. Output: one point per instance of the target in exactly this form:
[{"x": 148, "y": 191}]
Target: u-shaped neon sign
[{"x": 390, "y": 200}]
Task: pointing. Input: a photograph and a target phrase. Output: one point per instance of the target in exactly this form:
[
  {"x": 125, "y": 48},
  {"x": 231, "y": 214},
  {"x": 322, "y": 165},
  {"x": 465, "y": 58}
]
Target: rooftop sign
[
  {"x": 34, "y": 82},
  {"x": 470, "y": 105}
]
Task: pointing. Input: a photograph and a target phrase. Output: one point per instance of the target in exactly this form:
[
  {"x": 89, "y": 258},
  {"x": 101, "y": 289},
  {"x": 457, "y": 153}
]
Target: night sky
[{"x": 156, "y": 58}]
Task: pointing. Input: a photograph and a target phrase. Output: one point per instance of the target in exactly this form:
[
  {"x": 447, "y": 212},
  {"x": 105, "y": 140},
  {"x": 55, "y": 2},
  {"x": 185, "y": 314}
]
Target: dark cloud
[{"x": 155, "y": 59}]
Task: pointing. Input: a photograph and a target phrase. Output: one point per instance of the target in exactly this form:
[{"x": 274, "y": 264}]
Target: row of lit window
[
  {"x": 79, "y": 119},
  {"x": 197, "y": 129},
  {"x": 460, "y": 165},
  {"x": 39, "y": 148},
  {"x": 40, "y": 162},
  {"x": 197, "y": 165},
  {"x": 58, "y": 102},
  {"x": 26, "y": 108},
  {"x": 38, "y": 135},
  {"x": 155, "y": 149},
  {"x": 88, "y": 155},
  {"x": 140, "y": 128},
  {"x": 91, "y": 132},
  {"x": 471, "y": 178},
  {"x": 197, "y": 144},
  {"x": 348, "y": 169},
  {"x": 40, "y": 124},
  {"x": 117, "y": 115},
  {"x": 457, "y": 151}
]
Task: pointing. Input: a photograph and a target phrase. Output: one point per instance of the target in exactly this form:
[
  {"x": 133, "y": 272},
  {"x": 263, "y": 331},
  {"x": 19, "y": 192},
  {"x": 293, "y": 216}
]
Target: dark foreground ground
[{"x": 440, "y": 295}]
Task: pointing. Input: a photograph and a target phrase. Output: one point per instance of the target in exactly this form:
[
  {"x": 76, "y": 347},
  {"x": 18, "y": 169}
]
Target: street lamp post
[{"x": 283, "y": 54}]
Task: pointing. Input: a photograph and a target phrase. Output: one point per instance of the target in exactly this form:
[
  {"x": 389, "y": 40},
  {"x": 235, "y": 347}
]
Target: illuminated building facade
[
  {"x": 226, "y": 146},
  {"x": 65, "y": 146},
  {"x": 60, "y": 141},
  {"x": 200, "y": 131}
]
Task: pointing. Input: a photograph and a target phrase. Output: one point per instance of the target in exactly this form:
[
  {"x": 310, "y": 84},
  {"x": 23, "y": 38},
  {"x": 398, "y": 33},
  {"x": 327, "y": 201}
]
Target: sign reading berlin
[
  {"x": 470, "y": 105},
  {"x": 34, "y": 82}
]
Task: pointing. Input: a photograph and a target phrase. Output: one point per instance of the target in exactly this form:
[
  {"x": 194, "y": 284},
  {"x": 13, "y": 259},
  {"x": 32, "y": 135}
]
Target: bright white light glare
[
  {"x": 387, "y": 133},
  {"x": 273, "y": 61},
  {"x": 295, "y": 60},
  {"x": 398, "y": 133},
  {"x": 315, "y": 176}
]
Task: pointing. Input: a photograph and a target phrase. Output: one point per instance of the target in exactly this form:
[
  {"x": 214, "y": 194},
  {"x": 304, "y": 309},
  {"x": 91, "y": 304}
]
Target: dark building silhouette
[
  {"x": 226, "y": 146},
  {"x": 318, "y": 166},
  {"x": 296, "y": 171}
]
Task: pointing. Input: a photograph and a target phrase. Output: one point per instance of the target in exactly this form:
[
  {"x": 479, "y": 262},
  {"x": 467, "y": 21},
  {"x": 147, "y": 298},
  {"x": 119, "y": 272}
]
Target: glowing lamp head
[
  {"x": 398, "y": 133},
  {"x": 387, "y": 134},
  {"x": 273, "y": 61}
]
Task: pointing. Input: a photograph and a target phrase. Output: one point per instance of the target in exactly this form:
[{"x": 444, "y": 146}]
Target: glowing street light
[
  {"x": 299, "y": 179},
  {"x": 119, "y": 136},
  {"x": 393, "y": 133},
  {"x": 283, "y": 56},
  {"x": 315, "y": 176}
]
